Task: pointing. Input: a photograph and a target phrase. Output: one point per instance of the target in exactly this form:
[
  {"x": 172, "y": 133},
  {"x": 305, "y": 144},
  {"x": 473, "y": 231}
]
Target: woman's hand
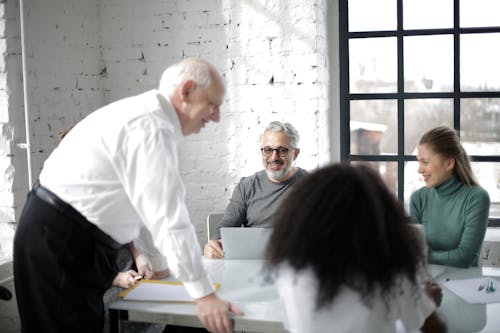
[{"x": 434, "y": 291}]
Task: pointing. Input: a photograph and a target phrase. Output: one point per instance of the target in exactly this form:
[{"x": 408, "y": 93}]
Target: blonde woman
[{"x": 452, "y": 205}]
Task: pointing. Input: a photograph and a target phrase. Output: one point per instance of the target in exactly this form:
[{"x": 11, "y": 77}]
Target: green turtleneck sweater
[{"x": 455, "y": 216}]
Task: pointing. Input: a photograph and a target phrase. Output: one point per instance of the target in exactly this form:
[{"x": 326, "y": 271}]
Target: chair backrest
[{"x": 213, "y": 220}]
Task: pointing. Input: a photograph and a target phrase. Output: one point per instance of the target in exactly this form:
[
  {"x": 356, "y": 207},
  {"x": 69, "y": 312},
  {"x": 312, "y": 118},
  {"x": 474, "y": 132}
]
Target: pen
[
  {"x": 138, "y": 277},
  {"x": 490, "y": 288}
]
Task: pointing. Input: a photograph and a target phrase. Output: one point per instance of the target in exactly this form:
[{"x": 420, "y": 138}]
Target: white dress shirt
[
  {"x": 119, "y": 168},
  {"x": 348, "y": 313}
]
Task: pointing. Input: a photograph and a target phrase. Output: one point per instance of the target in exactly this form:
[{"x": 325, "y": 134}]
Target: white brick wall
[
  {"x": 7, "y": 151},
  {"x": 84, "y": 54}
]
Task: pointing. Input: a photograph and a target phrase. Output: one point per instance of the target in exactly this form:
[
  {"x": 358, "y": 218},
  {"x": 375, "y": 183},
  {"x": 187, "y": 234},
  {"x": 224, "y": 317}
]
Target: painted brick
[{"x": 89, "y": 53}]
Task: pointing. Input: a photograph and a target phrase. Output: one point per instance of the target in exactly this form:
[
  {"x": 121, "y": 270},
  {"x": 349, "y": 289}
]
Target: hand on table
[
  {"x": 214, "y": 313},
  {"x": 213, "y": 249},
  {"x": 434, "y": 291}
]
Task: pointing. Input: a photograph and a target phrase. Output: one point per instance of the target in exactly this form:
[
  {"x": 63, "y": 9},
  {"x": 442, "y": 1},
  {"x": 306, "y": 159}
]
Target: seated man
[{"x": 256, "y": 198}]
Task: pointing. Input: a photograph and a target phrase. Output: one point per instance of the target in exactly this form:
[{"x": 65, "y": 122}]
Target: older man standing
[
  {"x": 112, "y": 180},
  {"x": 256, "y": 198}
]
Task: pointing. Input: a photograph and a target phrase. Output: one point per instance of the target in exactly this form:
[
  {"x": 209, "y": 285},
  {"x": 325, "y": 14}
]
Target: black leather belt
[
  {"x": 50, "y": 198},
  {"x": 63, "y": 208}
]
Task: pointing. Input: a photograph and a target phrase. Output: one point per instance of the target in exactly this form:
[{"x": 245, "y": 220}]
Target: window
[{"x": 409, "y": 65}]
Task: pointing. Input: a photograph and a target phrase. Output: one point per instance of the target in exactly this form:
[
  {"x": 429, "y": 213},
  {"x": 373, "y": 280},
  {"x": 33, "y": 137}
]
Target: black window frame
[{"x": 346, "y": 97}]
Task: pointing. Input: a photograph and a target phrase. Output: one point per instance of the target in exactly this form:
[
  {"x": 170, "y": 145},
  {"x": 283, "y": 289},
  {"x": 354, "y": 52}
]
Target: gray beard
[{"x": 278, "y": 175}]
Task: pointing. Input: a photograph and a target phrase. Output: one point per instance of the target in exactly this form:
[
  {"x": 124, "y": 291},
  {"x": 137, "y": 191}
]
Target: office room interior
[{"x": 360, "y": 80}]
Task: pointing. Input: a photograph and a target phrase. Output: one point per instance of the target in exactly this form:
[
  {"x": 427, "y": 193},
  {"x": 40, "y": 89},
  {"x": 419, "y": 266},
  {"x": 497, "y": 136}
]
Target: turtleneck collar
[{"x": 450, "y": 186}]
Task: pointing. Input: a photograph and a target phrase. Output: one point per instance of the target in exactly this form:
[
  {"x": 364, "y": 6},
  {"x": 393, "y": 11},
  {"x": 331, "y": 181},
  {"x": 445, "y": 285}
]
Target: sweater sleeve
[
  {"x": 476, "y": 221},
  {"x": 235, "y": 213},
  {"x": 416, "y": 207}
]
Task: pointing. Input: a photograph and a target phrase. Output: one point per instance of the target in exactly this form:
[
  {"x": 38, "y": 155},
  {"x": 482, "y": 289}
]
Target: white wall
[{"x": 84, "y": 54}]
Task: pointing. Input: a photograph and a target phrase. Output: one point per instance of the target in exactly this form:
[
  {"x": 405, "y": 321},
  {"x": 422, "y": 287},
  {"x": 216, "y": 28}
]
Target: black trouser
[{"x": 61, "y": 269}]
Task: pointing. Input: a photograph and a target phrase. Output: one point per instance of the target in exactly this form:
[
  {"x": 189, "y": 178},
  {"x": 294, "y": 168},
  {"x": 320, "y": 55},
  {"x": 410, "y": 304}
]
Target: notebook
[
  {"x": 245, "y": 243},
  {"x": 158, "y": 291}
]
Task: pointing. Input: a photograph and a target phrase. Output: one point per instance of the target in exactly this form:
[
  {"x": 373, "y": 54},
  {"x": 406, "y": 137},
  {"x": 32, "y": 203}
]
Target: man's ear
[
  {"x": 187, "y": 88},
  {"x": 296, "y": 153}
]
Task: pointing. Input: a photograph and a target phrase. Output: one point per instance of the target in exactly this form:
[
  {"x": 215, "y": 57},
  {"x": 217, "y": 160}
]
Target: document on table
[
  {"x": 158, "y": 291},
  {"x": 475, "y": 290}
]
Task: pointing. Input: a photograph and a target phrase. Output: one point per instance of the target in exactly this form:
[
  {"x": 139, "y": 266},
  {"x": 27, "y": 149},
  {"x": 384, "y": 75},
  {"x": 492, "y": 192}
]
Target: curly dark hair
[{"x": 342, "y": 222}]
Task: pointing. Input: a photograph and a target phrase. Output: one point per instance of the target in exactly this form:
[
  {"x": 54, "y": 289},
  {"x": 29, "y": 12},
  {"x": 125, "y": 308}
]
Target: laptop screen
[{"x": 244, "y": 243}]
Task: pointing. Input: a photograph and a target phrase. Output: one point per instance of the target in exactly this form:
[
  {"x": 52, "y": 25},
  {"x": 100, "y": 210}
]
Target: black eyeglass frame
[{"x": 281, "y": 151}]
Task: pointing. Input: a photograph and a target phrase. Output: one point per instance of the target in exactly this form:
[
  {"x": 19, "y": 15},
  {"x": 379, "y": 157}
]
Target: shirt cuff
[
  {"x": 199, "y": 288},
  {"x": 158, "y": 263}
]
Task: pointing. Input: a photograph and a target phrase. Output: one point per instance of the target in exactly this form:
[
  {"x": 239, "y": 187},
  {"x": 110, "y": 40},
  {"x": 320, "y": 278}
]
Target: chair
[{"x": 213, "y": 220}]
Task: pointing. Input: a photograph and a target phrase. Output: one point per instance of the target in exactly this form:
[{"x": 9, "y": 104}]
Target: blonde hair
[{"x": 445, "y": 142}]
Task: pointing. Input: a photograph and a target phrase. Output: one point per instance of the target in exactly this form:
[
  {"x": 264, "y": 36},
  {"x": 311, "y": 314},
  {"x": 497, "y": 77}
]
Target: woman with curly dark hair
[{"x": 346, "y": 258}]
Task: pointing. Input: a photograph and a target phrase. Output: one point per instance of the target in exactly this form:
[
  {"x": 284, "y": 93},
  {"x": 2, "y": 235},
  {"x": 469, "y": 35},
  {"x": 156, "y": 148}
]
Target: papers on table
[
  {"x": 158, "y": 291},
  {"x": 475, "y": 290}
]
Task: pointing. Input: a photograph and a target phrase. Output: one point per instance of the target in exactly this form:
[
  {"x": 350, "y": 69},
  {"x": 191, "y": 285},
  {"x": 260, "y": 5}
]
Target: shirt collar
[{"x": 171, "y": 114}]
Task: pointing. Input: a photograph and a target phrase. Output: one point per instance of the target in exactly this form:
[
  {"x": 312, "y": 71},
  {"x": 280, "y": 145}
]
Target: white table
[
  {"x": 462, "y": 316},
  {"x": 243, "y": 285}
]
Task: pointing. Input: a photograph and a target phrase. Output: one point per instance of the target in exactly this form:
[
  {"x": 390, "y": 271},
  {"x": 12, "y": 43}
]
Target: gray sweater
[{"x": 254, "y": 201}]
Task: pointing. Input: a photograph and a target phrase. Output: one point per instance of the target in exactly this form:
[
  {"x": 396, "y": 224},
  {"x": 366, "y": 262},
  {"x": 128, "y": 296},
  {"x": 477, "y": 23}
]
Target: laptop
[{"x": 244, "y": 243}]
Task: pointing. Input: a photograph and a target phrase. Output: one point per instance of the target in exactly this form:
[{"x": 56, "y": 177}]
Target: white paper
[
  {"x": 469, "y": 290},
  {"x": 157, "y": 291}
]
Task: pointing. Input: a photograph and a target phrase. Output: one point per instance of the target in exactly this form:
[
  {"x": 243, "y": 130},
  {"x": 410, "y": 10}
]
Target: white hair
[
  {"x": 287, "y": 128},
  {"x": 187, "y": 69}
]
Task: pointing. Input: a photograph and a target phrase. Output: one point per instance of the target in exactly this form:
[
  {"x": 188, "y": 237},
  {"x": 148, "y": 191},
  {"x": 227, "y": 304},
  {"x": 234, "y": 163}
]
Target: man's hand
[
  {"x": 214, "y": 312},
  {"x": 143, "y": 266},
  {"x": 158, "y": 275},
  {"x": 213, "y": 249},
  {"x": 125, "y": 279}
]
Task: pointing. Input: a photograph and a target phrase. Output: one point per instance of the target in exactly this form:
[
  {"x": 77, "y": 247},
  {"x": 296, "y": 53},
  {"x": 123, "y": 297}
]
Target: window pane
[
  {"x": 374, "y": 127},
  {"x": 488, "y": 176},
  {"x": 422, "y": 115},
  {"x": 412, "y": 181},
  {"x": 480, "y": 124},
  {"x": 479, "y": 13},
  {"x": 388, "y": 171},
  {"x": 369, "y": 15},
  {"x": 373, "y": 65},
  {"x": 428, "y": 62},
  {"x": 479, "y": 63},
  {"x": 427, "y": 14}
]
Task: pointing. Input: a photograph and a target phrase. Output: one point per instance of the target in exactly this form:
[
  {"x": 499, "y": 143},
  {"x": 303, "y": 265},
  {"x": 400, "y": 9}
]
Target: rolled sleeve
[{"x": 200, "y": 288}]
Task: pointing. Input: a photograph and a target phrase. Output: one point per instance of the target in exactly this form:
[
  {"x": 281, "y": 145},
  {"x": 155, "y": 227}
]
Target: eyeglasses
[{"x": 268, "y": 151}]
